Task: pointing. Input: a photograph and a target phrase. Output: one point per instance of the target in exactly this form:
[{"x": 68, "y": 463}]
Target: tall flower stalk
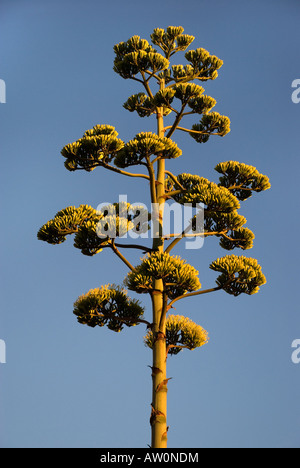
[{"x": 164, "y": 277}]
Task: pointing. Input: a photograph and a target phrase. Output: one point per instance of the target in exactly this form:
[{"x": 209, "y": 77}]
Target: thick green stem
[
  {"x": 159, "y": 375},
  {"x": 158, "y": 418}
]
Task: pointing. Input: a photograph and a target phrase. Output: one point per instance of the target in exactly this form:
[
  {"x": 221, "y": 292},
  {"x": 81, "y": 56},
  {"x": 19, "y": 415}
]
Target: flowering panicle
[
  {"x": 178, "y": 276},
  {"x": 181, "y": 332},
  {"x": 108, "y": 305},
  {"x": 177, "y": 95}
]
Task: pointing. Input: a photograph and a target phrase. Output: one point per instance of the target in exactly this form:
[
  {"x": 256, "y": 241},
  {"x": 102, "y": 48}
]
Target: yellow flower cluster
[
  {"x": 108, "y": 305},
  {"x": 178, "y": 276},
  {"x": 93, "y": 229},
  {"x": 97, "y": 146},
  {"x": 239, "y": 274},
  {"x": 181, "y": 332},
  {"x": 242, "y": 179},
  {"x": 144, "y": 145}
]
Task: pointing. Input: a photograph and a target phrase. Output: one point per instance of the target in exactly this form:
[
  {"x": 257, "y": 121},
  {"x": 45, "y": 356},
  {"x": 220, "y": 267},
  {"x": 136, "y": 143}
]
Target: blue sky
[{"x": 68, "y": 385}]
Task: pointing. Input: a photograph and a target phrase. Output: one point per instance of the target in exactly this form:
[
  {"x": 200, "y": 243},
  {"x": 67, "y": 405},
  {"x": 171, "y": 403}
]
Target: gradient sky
[{"x": 68, "y": 385}]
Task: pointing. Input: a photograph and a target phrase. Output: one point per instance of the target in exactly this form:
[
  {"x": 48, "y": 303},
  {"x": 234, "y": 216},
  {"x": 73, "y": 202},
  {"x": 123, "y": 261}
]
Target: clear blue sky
[{"x": 68, "y": 385}]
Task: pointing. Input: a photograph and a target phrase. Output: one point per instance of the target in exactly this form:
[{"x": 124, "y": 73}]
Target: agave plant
[{"x": 166, "y": 90}]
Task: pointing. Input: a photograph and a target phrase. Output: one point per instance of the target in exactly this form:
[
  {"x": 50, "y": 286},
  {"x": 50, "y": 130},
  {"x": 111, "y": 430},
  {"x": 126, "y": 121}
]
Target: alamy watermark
[
  {"x": 296, "y": 354},
  {"x": 2, "y": 92},
  {"x": 169, "y": 221},
  {"x": 296, "y": 93},
  {"x": 2, "y": 352}
]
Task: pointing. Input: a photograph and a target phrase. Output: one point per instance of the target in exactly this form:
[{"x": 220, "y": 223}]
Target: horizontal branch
[
  {"x": 239, "y": 187},
  {"x": 196, "y": 234},
  {"x": 119, "y": 171},
  {"x": 194, "y": 131},
  {"x": 186, "y": 79},
  {"x": 133, "y": 246},
  {"x": 196, "y": 293},
  {"x": 119, "y": 319},
  {"x": 136, "y": 79},
  {"x": 184, "y": 233},
  {"x": 114, "y": 169},
  {"x": 176, "y": 346},
  {"x": 175, "y": 192}
]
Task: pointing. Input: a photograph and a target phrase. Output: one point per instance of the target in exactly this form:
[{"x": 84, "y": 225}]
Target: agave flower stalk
[{"x": 166, "y": 278}]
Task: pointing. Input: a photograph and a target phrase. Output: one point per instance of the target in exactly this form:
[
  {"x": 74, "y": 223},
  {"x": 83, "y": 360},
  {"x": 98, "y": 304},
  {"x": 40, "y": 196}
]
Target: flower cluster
[
  {"x": 181, "y": 332},
  {"x": 239, "y": 274},
  {"x": 172, "y": 40},
  {"x": 94, "y": 229},
  {"x": 178, "y": 276},
  {"x": 242, "y": 179},
  {"x": 108, "y": 305},
  {"x": 143, "y": 146},
  {"x": 137, "y": 56},
  {"x": 197, "y": 189},
  {"x": 210, "y": 124},
  {"x": 98, "y": 146}
]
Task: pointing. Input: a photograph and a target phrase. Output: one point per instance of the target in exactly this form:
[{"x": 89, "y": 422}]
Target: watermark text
[
  {"x": 2, "y": 352},
  {"x": 2, "y": 92},
  {"x": 136, "y": 221},
  {"x": 296, "y": 93},
  {"x": 296, "y": 353}
]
